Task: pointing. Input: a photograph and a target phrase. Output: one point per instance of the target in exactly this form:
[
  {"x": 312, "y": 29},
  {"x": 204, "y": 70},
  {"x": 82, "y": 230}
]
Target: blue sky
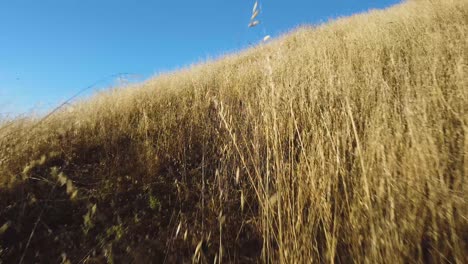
[{"x": 51, "y": 49}]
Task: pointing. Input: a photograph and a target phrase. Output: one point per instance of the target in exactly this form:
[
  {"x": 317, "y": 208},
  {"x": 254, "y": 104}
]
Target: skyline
[{"x": 53, "y": 49}]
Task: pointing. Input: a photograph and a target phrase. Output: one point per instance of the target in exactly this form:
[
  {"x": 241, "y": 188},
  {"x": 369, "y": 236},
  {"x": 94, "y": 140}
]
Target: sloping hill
[{"x": 339, "y": 143}]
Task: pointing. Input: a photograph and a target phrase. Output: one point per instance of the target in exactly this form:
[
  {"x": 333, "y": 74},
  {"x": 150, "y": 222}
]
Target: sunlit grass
[{"x": 340, "y": 143}]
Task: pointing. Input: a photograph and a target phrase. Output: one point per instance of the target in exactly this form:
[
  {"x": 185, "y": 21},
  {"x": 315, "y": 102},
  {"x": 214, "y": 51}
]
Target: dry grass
[{"x": 341, "y": 143}]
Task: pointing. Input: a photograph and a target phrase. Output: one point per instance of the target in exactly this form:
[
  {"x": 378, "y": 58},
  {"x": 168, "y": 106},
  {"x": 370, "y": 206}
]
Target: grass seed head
[{"x": 254, "y": 23}]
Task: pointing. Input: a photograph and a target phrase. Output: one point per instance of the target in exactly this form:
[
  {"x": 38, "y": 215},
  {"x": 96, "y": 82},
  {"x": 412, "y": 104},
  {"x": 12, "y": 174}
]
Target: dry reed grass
[{"x": 346, "y": 144}]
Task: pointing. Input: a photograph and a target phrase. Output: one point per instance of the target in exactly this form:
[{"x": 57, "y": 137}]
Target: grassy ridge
[{"x": 345, "y": 142}]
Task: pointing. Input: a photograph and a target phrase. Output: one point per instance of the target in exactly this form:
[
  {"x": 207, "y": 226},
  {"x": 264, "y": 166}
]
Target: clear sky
[{"x": 51, "y": 49}]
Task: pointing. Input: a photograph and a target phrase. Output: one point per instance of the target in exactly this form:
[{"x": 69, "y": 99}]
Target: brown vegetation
[{"x": 341, "y": 143}]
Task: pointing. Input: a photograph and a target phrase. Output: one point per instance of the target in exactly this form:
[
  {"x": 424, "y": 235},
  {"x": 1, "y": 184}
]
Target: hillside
[{"x": 345, "y": 142}]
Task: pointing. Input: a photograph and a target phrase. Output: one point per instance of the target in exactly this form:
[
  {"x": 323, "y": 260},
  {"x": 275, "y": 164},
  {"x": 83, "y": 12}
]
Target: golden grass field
[{"x": 340, "y": 143}]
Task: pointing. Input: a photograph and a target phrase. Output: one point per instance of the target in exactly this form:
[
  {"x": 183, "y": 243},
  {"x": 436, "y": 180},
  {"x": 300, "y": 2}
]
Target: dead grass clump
[{"x": 340, "y": 143}]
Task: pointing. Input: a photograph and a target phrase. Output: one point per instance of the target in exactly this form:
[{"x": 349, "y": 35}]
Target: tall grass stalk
[{"x": 340, "y": 143}]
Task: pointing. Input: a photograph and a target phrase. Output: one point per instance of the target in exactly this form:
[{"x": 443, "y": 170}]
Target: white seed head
[
  {"x": 254, "y": 15},
  {"x": 255, "y": 7},
  {"x": 178, "y": 229},
  {"x": 254, "y": 23}
]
